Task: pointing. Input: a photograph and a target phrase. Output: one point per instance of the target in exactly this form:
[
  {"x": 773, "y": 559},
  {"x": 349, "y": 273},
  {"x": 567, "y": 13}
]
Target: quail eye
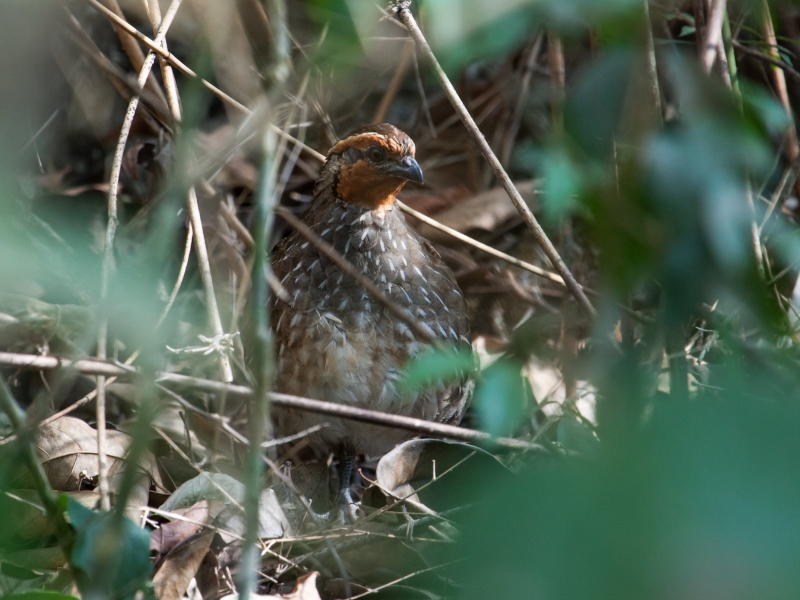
[{"x": 376, "y": 154}]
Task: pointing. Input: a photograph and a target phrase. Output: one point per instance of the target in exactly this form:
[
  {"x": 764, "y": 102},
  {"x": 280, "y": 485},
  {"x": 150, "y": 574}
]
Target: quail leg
[{"x": 346, "y": 505}]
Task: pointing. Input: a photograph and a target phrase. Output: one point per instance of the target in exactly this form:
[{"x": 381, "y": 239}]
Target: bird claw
[
  {"x": 342, "y": 515},
  {"x": 349, "y": 513},
  {"x": 346, "y": 510}
]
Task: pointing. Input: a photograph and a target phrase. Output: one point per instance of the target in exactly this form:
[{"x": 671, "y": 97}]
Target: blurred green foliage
[
  {"x": 111, "y": 553},
  {"x": 463, "y": 31},
  {"x": 437, "y": 366},
  {"x": 699, "y": 501}
]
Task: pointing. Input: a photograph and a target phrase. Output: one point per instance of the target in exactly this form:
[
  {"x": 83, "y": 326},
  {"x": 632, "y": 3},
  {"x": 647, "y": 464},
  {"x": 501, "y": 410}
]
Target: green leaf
[
  {"x": 703, "y": 497},
  {"x": 764, "y": 110},
  {"x": 687, "y": 30},
  {"x": 435, "y": 367},
  {"x": 463, "y": 31},
  {"x": 110, "y": 552},
  {"x": 611, "y": 17},
  {"x": 339, "y": 44},
  {"x": 562, "y": 184},
  {"x": 594, "y": 106},
  {"x": 78, "y": 514},
  {"x": 500, "y": 397}
]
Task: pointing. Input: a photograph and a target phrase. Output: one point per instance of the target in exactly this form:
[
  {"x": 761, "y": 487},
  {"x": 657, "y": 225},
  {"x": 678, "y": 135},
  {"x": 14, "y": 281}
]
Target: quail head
[{"x": 335, "y": 342}]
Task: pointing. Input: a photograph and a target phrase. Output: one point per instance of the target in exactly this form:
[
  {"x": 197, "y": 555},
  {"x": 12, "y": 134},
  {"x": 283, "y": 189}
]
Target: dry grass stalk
[{"x": 402, "y": 9}]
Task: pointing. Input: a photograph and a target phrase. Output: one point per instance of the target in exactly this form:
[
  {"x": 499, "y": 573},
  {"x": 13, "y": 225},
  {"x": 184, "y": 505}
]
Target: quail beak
[{"x": 407, "y": 168}]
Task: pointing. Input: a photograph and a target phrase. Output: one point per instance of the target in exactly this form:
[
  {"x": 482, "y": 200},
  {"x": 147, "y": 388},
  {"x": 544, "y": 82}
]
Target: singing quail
[{"x": 333, "y": 340}]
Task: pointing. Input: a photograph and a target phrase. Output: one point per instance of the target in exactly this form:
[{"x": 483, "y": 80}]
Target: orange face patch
[{"x": 362, "y": 184}]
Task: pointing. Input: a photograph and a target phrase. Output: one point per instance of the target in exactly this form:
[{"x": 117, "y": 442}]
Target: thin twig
[
  {"x": 786, "y": 67},
  {"x": 187, "y": 249},
  {"x": 156, "y": 47},
  {"x": 125, "y": 129},
  {"x": 262, "y": 358},
  {"x": 652, "y": 67},
  {"x": 779, "y": 82},
  {"x": 402, "y": 8},
  {"x": 713, "y": 34},
  {"x": 41, "y": 130},
  {"x": 229, "y": 215},
  {"x": 134, "y": 53},
  {"x": 175, "y": 62},
  {"x": 262, "y": 352},
  {"x": 126, "y": 84},
  {"x": 178, "y": 64},
  {"x": 781, "y": 191},
  {"x": 558, "y": 80},
  {"x": 201, "y": 252},
  {"x": 480, "y": 246},
  {"x": 733, "y": 82},
  {"x": 154, "y": 13},
  {"x": 403, "y": 578},
  {"x": 100, "y": 414},
  {"x": 423, "y": 97},
  {"x": 90, "y": 366},
  {"x": 699, "y": 24},
  {"x": 293, "y": 438}
]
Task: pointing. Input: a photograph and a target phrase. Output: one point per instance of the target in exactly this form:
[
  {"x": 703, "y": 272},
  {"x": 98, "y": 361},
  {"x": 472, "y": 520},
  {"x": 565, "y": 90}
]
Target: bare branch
[{"x": 96, "y": 367}]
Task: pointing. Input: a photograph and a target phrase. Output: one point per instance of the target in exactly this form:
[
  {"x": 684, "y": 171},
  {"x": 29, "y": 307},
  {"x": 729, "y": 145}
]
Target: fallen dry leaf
[
  {"x": 416, "y": 462},
  {"x": 169, "y": 535},
  {"x": 67, "y": 449},
  {"x": 180, "y": 566},
  {"x": 225, "y": 489}
]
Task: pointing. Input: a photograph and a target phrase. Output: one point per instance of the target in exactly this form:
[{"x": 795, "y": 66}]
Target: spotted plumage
[{"x": 333, "y": 340}]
